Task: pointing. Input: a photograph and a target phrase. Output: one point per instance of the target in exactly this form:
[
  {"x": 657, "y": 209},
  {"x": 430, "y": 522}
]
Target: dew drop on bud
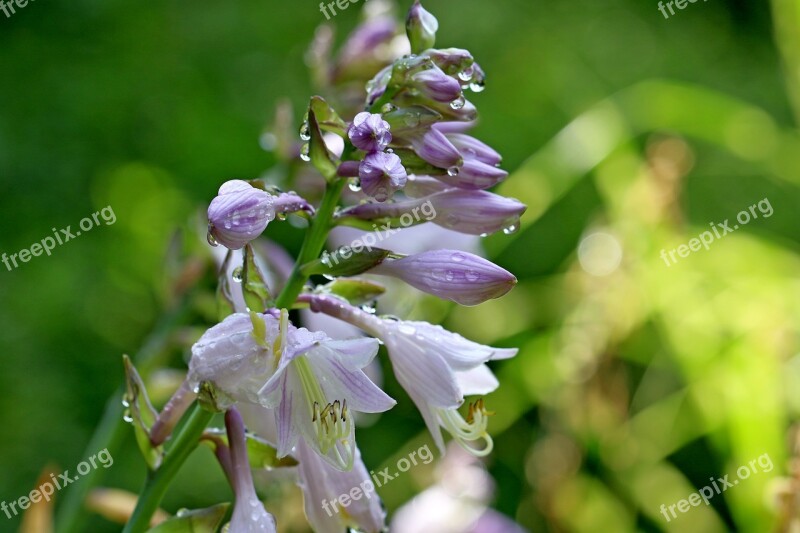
[
  {"x": 511, "y": 228},
  {"x": 466, "y": 74},
  {"x": 237, "y": 274},
  {"x": 452, "y": 171},
  {"x": 126, "y": 416},
  {"x": 477, "y": 87},
  {"x": 305, "y": 132},
  {"x": 411, "y": 120},
  {"x": 354, "y": 184},
  {"x": 484, "y": 235},
  {"x": 210, "y": 238},
  {"x": 388, "y": 108},
  {"x": 458, "y": 103},
  {"x": 304, "y": 153}
]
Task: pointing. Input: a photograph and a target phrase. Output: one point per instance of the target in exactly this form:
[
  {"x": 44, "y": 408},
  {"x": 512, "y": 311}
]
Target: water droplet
[
  {"x": 368, "y": 309},
  {"x": 126, "y": 416},
  {"x": 457, "y": 257},
  {"x": 304, "y": 153},
  {"x": 450, "y": 276},
  {"x": 238, "y": 274},
  {"x": 452, "y": 171},
  {"x": 210, "y": 236},
  {"x": 466, "y": 74},
  {"x": 125, "y": 402},
  {"x": 484, "y": 235},
  {"x": 472, "y": 276},
  {"x": 305, "y": 132},
  {"x": 477, "y": 86},
  {"x": 354, "y": 184},
  {"x": 411, "y": 120},
  {"x": 280, "y": 216},
  {"x": 328, "y": 277},
  {"x": 388, "y": 108},
  {"x": 182, "y": 512},
  {"x": 511, "y": 228},
  {"x": 458, "y": 103}
]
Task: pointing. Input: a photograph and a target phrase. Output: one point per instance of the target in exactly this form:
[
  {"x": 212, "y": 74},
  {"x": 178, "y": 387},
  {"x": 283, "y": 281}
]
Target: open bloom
[
  {"x": 239, "y": 214},
  {"x": 462, "y": 277},
  {"x": 249, "y": 515},
  {"x": 381, "y": 175},
  {"x": 435, "y": 366},
  {"x": 309, "y": 381},
  {"x": 369, "y": 132},
  {"x": 322, "y": 487}
]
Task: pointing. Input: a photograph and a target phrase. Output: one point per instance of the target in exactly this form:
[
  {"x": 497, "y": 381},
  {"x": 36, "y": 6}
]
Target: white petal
[
  {"x": 341, "y": 383},
  {"x": 424, "y": 372},
  {"x": 460, "y": 353},
  {"x": 479, "y": 380},
  {"x": 355, "y": 353}
]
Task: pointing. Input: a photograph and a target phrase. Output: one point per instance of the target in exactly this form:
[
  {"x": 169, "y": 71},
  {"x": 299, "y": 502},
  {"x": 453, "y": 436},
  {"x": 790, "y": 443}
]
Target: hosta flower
[
  {"x": 239, "y": 214},
  {"x": 434, "y": 147},
  {"x": 369, "y": 132},
  {"x": 381, "y": 175},
  {"x": 450, "y": 274},
  {"x": 472, "y": 148},
  {"x": 473, "y": 174},
  {"x": 311, "y": 382},
  {"x": 435, "y": 366},
  {"x": 249, "y": 515},
  {"x": 327, "y": 490}
]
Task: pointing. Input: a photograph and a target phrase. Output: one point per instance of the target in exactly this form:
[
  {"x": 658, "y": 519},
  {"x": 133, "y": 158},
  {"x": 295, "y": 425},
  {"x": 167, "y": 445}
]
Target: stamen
[{"x": 472, "y": 429}]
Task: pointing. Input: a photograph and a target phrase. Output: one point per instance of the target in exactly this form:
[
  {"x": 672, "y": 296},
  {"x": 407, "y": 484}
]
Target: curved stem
[{"x": 185, "y": 441}]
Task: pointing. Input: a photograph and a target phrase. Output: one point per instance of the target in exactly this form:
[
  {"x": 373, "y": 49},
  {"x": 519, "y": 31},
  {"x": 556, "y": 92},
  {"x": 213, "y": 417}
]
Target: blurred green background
[{"x": 631, "y": 389}]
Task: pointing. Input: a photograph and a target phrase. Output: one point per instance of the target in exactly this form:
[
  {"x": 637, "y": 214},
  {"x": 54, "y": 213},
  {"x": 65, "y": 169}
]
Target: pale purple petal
[
  {"x": 381, "y": 175},
  {"x": 239, "y": 214},
  {"x": 436, "y": 149},
  {"x": 369, "y": 132},
  {"x": 478, "y": 381}
]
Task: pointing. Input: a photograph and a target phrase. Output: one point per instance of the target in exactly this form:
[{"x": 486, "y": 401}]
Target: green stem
[
  {"x": 184, "y": 443},
  {"x": 312, "y": 245}
]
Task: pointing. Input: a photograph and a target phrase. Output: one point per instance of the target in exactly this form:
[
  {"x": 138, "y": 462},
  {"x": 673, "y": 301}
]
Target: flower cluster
[{"x": 303, "y": 388}]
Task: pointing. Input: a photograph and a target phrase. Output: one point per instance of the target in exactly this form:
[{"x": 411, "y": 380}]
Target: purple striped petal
[
  {"x": 381, "y": 175},
  {"x": 369, "y": 132},
  {"x": 436, "y": 149},
  {"x": 470, "y": 147},
  {"x": 474, "y": 174},
  {"x": 475, "y": 212},
  {"x": 239, "y": 214}
]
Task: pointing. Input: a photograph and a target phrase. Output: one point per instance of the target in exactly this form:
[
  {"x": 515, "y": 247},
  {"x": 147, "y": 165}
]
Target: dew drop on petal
[
  {"x": 388, "y": 108},
  {"x": 457, "y": 257},
  {"x": 354, "y": 184},
  {"x": 405, "y": 329},
  {"x": 237, "y": 274},
  {"x": 452, "y": 171},
  {"x": 511, "y": 228},
  {"x": 477, "y": 87},
  {"x": 466, "y": 74},
  {"x": 472, "y": 276}
]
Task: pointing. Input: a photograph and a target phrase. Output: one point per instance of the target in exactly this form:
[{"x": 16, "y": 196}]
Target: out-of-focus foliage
[{"x": 631, "y": 389}]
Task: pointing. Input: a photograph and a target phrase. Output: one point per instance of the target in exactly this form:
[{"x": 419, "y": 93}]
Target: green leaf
[
  {"x": 254, "y": 288},
  {"x": 196, "y": 521},
  {"x": 327, "y": 118},
  {"x": 320, "y": 157},
  {"x": 142, "y": 414},
  {"x": 259, "y": 452},
  {"x": 346, "y": 261},
  {"x": 355, "y": 291}
]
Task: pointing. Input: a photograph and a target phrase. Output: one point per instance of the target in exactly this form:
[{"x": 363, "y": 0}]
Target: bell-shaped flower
[
  {"x": 249, "y": 515},
  {"x": 381, "y": 175},
  {"x": 433, "y": 83},
  {"x": 238, "y": 214},
  {"x": 311, "y": 382},
  {"x": 335, "y": 501},
  {"x": 461, "y": 277},
  {"x": 369, "y": 132},
  {"x": 435, "y": 366}
]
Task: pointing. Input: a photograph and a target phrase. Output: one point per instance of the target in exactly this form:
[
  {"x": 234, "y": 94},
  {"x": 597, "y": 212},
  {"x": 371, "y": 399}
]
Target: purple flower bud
[
  {"x": 369, "y": 132},
  {"x": 474, "y": 174},
  {"x": 360, "y": 53},
  {"x": 451, "y": 60},
  {"x": 420, "y": 186},
  {"x": 435, "y": 149},
  {"x": 472, "y": 148},
  {"x": 437, "y": 85},
  {"x": 461, "y": 277},
  {"x": 475, "y": 212},
  {"x": 377, "y": 85},
  {"x": 381, "y": 175},
  {"x": 421, "y": 28},
  {"x": 239, "y": 214}
]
